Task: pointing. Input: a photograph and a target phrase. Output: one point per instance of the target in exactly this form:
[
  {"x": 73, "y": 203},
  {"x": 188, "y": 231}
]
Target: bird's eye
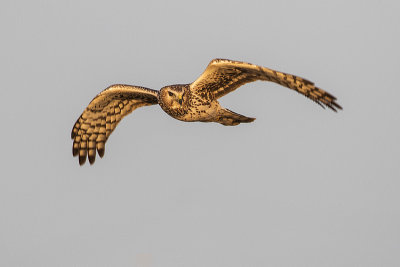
[{"x": 170, "y": 93}]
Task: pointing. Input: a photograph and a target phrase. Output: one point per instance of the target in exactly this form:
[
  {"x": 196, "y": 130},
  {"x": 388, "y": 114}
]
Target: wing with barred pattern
[
  {"x": 223, "y": 76},
  {"x": 102, "y": 115}
]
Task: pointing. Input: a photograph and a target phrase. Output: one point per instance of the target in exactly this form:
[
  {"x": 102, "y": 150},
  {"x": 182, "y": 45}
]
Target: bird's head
[{"x": 173, "y": 96}]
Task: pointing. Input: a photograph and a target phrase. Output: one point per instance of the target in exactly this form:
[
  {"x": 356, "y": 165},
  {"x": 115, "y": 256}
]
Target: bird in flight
[{"x": 197, "y": 101}]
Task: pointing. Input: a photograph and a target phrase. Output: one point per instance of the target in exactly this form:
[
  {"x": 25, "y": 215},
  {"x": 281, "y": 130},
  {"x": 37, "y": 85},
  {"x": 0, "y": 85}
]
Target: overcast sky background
[{"x": 301, "y": 186}]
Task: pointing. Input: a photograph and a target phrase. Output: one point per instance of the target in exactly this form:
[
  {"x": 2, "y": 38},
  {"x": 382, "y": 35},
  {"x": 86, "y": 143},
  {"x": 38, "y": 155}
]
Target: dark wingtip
[
  {"x": 333, "y": 106},
  {"x": 337, "y": 105},
  {"x": 329, "y": 105},
  {"x": 75, "y": 151},
  {"x": 92, "y": 159},
  {"x": 101, "y": 152},
  {"x": 82, "y": 159},
  {"x": 319, "y": 103}
]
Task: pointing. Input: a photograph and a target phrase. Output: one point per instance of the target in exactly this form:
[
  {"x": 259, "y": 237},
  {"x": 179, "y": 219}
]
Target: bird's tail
[{"x": 229, "y": 118}]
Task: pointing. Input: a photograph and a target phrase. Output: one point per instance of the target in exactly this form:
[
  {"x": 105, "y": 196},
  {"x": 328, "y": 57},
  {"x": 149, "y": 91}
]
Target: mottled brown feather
[
  {"x": 103, "y": 114},
  {"x": 223, "y": 76}
]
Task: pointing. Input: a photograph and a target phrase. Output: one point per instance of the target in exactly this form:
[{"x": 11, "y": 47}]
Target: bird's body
[
  {"x": 193, "y": 107},
  {"x": 197, "y": 101}
]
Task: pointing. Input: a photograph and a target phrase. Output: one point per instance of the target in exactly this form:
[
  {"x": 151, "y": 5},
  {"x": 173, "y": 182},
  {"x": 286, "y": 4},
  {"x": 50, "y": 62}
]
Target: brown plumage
[{"x": 186, "y": 102}]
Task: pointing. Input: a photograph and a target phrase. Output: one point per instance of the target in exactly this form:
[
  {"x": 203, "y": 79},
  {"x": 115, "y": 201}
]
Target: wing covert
[{"x": 102, "y": 115}]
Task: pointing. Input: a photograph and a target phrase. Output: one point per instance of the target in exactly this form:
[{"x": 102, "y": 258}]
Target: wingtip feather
[
  {"x": 82, "y": 159},
  {"x": 92, "y": 159}
]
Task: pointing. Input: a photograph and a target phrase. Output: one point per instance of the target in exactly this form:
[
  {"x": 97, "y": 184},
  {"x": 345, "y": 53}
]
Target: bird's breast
[{"x": 201, "y": 112}]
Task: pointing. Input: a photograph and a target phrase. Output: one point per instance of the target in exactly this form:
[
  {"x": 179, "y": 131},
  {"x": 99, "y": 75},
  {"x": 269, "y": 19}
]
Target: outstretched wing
[
  {"x": 103, "y": 114},
  {"x": 223, "y": 76}
]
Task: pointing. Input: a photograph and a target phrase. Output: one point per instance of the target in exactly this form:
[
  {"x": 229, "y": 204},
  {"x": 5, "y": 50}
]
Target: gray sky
[{"x": 301, "y": 186}]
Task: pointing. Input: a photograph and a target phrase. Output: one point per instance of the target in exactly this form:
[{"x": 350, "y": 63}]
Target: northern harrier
[{"x": 186, "y": 102}]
